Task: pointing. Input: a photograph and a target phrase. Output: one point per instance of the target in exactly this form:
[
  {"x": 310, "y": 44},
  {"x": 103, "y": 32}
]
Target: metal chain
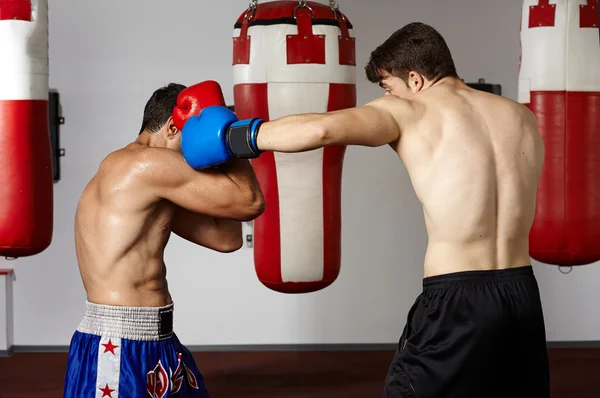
[
  {"x": 303, "y": 4},
  {"x": 251, "y": 10}
]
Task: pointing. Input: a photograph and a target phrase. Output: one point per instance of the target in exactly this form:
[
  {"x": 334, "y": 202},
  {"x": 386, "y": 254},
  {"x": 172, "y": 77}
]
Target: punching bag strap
[
  {"x": 241, "y": 44},
  {"x": 347, "y": 44},
  {"x": 305, "y": 47}
]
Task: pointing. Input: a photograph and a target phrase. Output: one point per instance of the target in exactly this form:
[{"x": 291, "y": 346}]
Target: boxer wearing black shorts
[
  {"x": 473, "y": 334},
  {"x": 474, "y": 160}
]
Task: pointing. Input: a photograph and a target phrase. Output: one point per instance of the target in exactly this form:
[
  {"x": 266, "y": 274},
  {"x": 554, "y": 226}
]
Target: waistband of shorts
[
  {"x": 133, "y": 323},
  {"x": 471, "y": 277}
]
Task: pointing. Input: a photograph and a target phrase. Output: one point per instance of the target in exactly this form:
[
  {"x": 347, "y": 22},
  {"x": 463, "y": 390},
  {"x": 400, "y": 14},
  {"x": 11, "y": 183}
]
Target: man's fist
[
  {"x": 216, "y": 135},
  {"x": 195, "y": 98}
]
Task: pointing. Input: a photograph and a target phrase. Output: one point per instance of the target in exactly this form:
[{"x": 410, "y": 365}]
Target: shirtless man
[
  {"x": 474, "y": 159},
  {"x": 125, "y": 345}
]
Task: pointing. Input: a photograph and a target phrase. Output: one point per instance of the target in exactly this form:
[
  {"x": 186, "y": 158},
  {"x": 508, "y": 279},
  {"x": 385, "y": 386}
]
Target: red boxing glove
[{"x": 195, "y": 98}]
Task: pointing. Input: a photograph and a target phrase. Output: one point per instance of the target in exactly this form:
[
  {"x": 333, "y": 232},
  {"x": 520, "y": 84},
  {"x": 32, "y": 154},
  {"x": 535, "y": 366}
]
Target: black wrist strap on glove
[{"x": 241, "y": 138}]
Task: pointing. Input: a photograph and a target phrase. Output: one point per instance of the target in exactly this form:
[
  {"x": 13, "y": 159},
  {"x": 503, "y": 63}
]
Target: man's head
[
  {"x": 413, "y": 58},
  {"x": 158, "y": 120}
]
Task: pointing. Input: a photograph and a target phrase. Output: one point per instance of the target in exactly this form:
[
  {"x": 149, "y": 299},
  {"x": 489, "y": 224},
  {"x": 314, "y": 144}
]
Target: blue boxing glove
[{"x": 216, "y": 135}]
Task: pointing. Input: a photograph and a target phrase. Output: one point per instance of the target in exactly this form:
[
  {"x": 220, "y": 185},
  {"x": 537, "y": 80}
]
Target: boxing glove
[
  {"x": 216, "y": 135},
  {"x": 193, "y": 99}
]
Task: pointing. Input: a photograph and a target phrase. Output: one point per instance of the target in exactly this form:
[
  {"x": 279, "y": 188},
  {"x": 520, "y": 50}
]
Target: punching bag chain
[
  {"x": 302, "y": 4},
  {"x": 251, "y": 10}
]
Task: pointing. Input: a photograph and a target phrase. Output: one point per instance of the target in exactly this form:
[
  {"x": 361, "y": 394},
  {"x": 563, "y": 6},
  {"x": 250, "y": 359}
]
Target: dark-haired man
[
  {"x": 474, "y": 159},
  {"x": 125, "y": 345}
]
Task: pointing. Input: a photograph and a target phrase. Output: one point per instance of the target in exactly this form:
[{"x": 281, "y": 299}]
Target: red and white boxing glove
[{"x": 195, "y": 98}]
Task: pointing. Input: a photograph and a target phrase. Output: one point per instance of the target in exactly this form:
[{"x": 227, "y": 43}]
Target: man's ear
[
  {"x": 172, "y": 131},
  {"x": 415, "y": 81}
]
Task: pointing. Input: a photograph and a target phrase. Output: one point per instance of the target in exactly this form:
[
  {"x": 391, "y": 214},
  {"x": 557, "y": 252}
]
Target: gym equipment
[
  {"x": 293, "y": 57},
  {"x": 26, "y": 192},
  {"x": 559, "y": 80}
]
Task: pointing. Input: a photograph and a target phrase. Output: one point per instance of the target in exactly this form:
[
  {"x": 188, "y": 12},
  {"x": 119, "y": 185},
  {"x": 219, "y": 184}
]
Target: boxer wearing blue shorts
[
  {"x": 125, "y": 345},
  {"x": 130, "y": 352}
]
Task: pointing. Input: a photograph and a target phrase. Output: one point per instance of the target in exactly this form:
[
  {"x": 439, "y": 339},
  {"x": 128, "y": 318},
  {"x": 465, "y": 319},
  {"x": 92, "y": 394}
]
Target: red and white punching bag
[
  {"x": 293, "y": 57},
  {"x": 26, "y": 189},
  {"x": 559, "y": 80}
]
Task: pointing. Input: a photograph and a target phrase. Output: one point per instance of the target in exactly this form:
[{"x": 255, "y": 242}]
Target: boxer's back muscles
[
  {"x": 474, "y": 160},
  {"x": 128, "y": 210}
]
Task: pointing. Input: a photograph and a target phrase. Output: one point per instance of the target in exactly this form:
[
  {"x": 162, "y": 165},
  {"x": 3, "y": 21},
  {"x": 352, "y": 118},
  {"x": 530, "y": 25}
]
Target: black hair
[
  {"x": 415, "y": 47},
  {"x": 159, "y": 107}
]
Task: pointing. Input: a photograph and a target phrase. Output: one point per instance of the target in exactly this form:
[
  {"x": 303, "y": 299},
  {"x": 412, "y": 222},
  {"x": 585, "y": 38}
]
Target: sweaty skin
[
  {"x": 474, "y": 160},
  {"x": 139, "y": 196}
]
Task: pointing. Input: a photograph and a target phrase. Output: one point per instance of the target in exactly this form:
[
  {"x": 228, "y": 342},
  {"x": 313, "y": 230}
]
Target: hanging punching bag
[
  {"x": 26, "y": 191},
  {"x": 293, "y": 57},
  {"x": 559, "y": 80}
]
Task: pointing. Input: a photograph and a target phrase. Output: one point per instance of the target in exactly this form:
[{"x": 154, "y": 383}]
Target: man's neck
[
  {"x": 447, "y": 81},
  {"x": 146, "y": 138}
]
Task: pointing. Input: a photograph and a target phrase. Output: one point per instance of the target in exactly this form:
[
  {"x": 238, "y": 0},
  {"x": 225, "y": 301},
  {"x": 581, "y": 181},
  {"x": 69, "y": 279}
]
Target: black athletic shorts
[{"x": 474, "y": 334}]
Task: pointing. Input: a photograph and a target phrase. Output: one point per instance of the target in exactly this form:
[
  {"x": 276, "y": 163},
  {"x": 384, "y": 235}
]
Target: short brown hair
[
  {"x": 415, "y": 47},
  {"x": 159, "y": 107}
]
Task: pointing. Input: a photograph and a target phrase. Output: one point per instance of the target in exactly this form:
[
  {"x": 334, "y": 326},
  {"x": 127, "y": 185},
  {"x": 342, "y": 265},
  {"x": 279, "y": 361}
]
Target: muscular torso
[
  {"x": 474, "y": 160},
  {"x": 120, "y": 235}
]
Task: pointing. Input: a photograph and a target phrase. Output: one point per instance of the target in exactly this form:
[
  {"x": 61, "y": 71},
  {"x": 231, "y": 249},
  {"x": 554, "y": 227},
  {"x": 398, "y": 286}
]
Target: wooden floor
[{"x": 575, "y": 374}]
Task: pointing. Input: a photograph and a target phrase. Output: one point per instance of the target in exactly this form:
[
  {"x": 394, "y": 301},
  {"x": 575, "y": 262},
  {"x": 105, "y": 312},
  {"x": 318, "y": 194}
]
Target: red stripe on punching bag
[
  {"x": 26, "y": 192},
  {"x": 548, "y": 232},
  {"x": 305, "y": 47},
  {"x": 583, "y": 177},
  {"x": 588, "y": 14},
  {"x": 15, "y": 9},
  {"x": 566, "y": 230},
  {"x": 341, "y": 96},
  {"x": 542, "y": 14},
  {"x": 252, "y": 101}
]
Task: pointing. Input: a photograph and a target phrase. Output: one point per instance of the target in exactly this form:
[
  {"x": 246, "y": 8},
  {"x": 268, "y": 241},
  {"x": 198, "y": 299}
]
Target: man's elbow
[
  {"x": 252, "y": 205},
  {"x": 321, "y": 135},
  {"x": 230, "y": 244}
]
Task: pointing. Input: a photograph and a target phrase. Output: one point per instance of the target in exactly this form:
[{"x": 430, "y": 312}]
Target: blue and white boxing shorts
[{"x": 122, "y": 352}]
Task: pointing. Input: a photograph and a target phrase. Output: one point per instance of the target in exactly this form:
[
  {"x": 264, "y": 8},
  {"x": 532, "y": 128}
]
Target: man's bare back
[
  {"x": 474, "y": 160},
  {"x": 120, "y": 236},
  {"x": 122, "y": 226}
]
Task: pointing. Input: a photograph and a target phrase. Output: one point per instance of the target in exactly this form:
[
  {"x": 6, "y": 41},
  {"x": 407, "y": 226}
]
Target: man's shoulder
[
  {"x": 129, "y": 173},
  {"x": 390, "y": 102},
  {"x": 121, "y": 164},
  {"x": 134, "y": 157},
  {"x": 512, "y": 109},
  {"x": 403, "y": 110}
]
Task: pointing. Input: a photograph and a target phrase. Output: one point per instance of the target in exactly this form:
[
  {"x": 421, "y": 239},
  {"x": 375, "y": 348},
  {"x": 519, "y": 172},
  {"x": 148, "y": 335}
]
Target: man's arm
[
  {"x": 374, "y": 124},
  {"x": 230, "y": 192},
  {"x": 213, "y": 233}
]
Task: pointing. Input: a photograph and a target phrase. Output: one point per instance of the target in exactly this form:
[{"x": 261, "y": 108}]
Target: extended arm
[
  {"x": 213, "y": 233},
  {"x": 374, "y": 124},
  {"x": 219, "y": 136}
]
